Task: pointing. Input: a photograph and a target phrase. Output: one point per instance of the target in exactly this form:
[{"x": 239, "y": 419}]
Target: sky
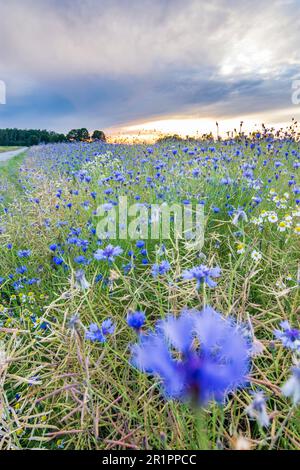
[{"x": 131, "y": 65}]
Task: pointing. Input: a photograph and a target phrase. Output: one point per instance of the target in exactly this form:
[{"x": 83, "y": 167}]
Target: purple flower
[
  {"x": 21, "y": 270},
  {"x": 292, "y": 387},
  {"x": 257, "y": 409},
  {"x": 94, "y": 333},
  {"x": 99, "y": 333},
  {"x": 290, "y": 337},
  {"x": 108, "y": 253},
  {"x": 24, "y": 253},
  {"x": 81, "y": 281},
  {"x": 202, "y": 274},
  {"x": 108, "y": 327},
  {"x": 136, "y": 320},
  {"x": 239, "y": 214},
  {"x": 216, "y": 367},
  {"x": 160, "y": 269},
  {"x": 140, "y": 244},
  {"x": 57, "y": 260}
]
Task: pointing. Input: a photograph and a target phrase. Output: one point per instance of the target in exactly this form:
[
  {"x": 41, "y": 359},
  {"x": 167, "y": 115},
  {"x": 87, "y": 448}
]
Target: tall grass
[{"x": 58, "y": 390}]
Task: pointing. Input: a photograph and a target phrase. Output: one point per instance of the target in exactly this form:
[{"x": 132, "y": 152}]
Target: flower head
[
  {"x": 108, "y": 253},
  {"x": 99, "y": 333},
  {"x": 136, "y": 320},
  {"x": 160, "y": 269},
  {"x": 24, "y": 253},
  {"x": 80, "y": 280},
  {"x": 292, "y": 387},
  {"x": 203, "y": 275},
  {"x": 290, "y": 337},
  {"x": 239, "y": 214},
  {"x": 257, "y": 409},
  {"x": 211, "y": 358},
  {"x": 256, "y": 256}
]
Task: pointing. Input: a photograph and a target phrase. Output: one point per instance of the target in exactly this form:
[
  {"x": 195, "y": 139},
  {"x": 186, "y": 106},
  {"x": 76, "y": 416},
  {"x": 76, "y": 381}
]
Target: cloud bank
[{"x": 110, "y": 63}]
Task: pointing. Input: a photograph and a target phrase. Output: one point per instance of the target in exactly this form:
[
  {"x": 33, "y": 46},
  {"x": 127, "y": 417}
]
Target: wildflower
[
  {"x": 24, "y": 253},
  {"x": 273, "y": 218},
  {"x": 257, "y": 409},
  {"x": 80, "y": 280},
  {"x": 290, "y": 337},
  {"x": 292, "y": 387},
  {"x": 256, "y": 256},
  {"x": 80, "y": 259},
  {"x": 74, "y": 321},
  {"x": 108, "y": 327},
  {"x": 140, "y": 244},
  {"x": 212, "y": 356},
  {"x": 282, "y": 226},
  {"x": 239, "y": 214},
  {"x": 136, "y": 320},
  {"x": 240, "y": 248},
  {"x": 21, "y": 270},
  {"x": 108, "y": 253},
  {"x": 203, "y": 274},
  {"x": 99, "y": 333},
  {"x": 94, "y": 333},
  {"x": 160, "y": 269}
]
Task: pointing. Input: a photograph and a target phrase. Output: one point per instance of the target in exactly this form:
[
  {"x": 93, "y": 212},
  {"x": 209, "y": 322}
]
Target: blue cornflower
[
  {"x": 99, "y": 333},
  {"x": 80, "y": 259},
  {"x": 57, "y": 260},
  {"x": 202, "y": 274},
  {"x": 239, "y": 214},
  {"x": 21, "y": 270},
  {"x": 81, "y": 281},
  {"x": 94, "y": 333},
  {"x": 160, "y": 269},
  {"x": 53, "y": 247},
  {"x": 108, "y": 253},
  {"x": 290, "y": 337},
  {"x": 108, "y": 327},
  {"x": 257, "y": 409},
  {"x": 292, "y": 387},
  {"x": 215, "y": 367},
  {"x": 136, "y": 320},
  {"x": 140, "y": 244},
  {"x": 24, "y": 253}
]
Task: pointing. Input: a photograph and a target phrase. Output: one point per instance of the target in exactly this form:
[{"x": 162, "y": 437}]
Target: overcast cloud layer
[{"x": 108, "y": 63}]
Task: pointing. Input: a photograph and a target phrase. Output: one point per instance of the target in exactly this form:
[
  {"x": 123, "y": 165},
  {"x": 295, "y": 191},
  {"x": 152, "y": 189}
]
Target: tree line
[{"x": 28, "y": 137}]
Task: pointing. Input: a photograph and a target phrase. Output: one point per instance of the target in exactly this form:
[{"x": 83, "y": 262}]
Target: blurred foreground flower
[{"x": 199, "y": 356}]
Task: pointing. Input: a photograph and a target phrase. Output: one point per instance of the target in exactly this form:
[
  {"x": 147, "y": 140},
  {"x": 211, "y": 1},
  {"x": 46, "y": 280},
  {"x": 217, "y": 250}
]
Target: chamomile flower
[{"x": 256, "y": 256}]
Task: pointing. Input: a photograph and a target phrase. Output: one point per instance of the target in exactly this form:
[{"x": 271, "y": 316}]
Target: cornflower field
[{"x": 150, "y": 343}]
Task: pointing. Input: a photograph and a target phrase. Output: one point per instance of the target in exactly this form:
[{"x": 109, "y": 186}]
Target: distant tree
[
  {"x": 170, "y": 138},
  {"x": 99, "y": 135},
  {"x": 78, "y": 134},
  {"x": 26, "y": 137},
  {"x": 33, "y": 140}
]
